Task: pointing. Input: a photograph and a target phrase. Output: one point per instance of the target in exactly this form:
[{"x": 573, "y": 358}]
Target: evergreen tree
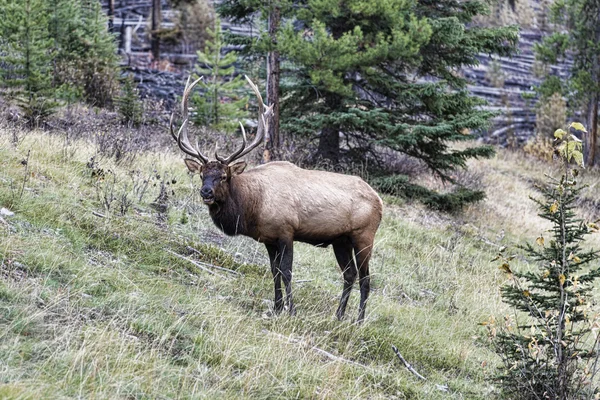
[
  {"x": 97, "y": 55},
  {"x": 368, "y": 76},
  {"x": 129, "y": 104},
  {"x": 549, "y": 350},
  {"x": 56, "y": 49},
  {"x": 26, "y": 55},
  {"x": 221, "y": 105}
]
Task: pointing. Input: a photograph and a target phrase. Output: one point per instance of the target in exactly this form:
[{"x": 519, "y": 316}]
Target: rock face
[{"x": 506, "y": 83}]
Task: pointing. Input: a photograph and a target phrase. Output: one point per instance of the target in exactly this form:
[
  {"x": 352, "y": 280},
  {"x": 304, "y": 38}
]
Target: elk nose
[{"x": 206, "y": 192}]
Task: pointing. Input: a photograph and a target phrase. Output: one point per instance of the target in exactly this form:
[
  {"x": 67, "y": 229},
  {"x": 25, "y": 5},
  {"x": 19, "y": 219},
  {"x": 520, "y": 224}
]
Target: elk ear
[
  {"x": 237, "y": 168},
  {"x": 194, "y": 166}
]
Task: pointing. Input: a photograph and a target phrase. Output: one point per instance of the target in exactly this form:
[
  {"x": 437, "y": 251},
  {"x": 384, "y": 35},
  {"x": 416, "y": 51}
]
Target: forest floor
[{"x": 96, "y": 302}]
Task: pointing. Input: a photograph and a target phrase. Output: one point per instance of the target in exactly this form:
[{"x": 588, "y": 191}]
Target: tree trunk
[
  {"x": 592, "y": 128},
  {"x": 272, "y": 140},
  {"x": 329, "y": 140},
  {"x": 329, "y": 144},
  {"x": 156, "y": 20},
  {"x": 111, "y": 15}
]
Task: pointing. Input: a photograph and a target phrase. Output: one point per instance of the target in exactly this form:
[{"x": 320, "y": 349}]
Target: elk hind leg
[
  {"x": 362, "y": 252},
  {"x": 343, "y": 254}
]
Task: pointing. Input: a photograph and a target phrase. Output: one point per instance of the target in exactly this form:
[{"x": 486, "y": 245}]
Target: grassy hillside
[{"x": 95, "y": 304}]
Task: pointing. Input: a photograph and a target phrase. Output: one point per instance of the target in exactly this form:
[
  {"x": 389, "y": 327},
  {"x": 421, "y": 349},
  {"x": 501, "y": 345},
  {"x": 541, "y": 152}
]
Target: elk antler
[
  {"x": 182, "y": 138},
  {"x": 264, "y": 113}
]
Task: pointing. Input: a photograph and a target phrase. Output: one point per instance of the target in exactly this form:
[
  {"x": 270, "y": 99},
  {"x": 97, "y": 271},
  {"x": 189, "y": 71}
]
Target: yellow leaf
[
  {"x": 561, "y": 279},
  {"x": 559, "y": 133},
  {"x": 577, "y": 126},
  {"x": 506, "y": 268},
  {"x": 540, "y": 241},
  {"x": 526, "y": 293},
  {"x": 578, "y": 156},
  {"x": 546, "y": 274},
  {"x": 577, "y": 259},
  {"x": 553, "y": 208}
]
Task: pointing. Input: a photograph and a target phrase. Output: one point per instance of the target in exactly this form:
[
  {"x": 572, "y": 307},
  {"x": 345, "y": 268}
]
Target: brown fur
[{"x": 279, "y": 203}]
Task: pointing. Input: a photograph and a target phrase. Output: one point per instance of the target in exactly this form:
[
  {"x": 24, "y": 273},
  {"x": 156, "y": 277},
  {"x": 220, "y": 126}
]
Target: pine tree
[
  {"x": 26, "y": 57},
  {"x": 549, "y": 349},
  {"x": 98, "y": 60},
  {"x": 128, "y": 103},
  {"x": 221, "y": 105},
  {"x": 369, "y": 76}
]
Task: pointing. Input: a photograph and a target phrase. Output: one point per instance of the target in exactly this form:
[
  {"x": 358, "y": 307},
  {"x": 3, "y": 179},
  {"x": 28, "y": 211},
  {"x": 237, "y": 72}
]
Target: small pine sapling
[
  {"x": 549, "y": 347},
  {"x": 222, "y": 103},
  {"x": 129, "y": 104}
]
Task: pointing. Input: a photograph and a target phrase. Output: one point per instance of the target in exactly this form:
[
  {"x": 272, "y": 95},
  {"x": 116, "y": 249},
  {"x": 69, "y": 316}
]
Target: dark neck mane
[{"x": 230, "y": 215}]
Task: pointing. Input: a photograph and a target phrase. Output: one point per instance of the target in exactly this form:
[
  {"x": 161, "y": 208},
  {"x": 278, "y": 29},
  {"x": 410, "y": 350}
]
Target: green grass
[{"x": 95, "y": 307}]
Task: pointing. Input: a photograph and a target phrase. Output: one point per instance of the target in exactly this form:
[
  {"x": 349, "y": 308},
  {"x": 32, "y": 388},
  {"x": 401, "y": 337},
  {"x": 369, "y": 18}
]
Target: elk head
[{"x": 216, "y": 175}]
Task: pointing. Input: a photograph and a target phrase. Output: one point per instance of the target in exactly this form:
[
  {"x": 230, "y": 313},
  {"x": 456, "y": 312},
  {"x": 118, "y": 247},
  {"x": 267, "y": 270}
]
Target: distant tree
[
  {"x": 581, "y": 38},
  {"x": 86, "y": 61},
  {"x": 222, "y": 103},
  {"x": 128, "y": 103},
  {"x": 97, "y": 58},
  {"x": 26, "y": 56},
  {"x": 56, "y": 50},
  {"x": 195, "y": 16}
]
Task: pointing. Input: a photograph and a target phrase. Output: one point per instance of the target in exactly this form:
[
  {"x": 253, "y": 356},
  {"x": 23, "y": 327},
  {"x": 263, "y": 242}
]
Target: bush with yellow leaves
[{"x": 548, "y": 347}]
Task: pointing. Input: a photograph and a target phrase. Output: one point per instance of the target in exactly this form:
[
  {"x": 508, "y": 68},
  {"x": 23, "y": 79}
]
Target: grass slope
[{"x": 99, "y": 307}]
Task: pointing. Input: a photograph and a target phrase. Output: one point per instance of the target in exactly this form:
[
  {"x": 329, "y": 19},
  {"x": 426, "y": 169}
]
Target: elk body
[{"x": 279, "y": 203}]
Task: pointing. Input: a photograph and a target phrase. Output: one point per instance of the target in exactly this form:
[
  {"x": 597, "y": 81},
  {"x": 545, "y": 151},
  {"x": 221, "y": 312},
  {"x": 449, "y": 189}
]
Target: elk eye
[{"x": 223, "y": 178}]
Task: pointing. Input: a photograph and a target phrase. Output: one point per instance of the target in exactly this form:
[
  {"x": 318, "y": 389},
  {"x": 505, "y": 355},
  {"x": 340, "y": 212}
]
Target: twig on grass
[
  {"x": 407, "y": 365},
  {"x": 316, "y": 349},
  {"x": 212, "y": 265},
  {"x": 203, "y": 268},
  {"x": 97, "y": 214}
]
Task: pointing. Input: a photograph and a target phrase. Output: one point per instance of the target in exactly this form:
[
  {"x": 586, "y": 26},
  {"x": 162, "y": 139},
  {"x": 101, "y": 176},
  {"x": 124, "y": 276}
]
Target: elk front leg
[
  {"x": 286, "y": 250},
  {"x": 276, "y": 271}
]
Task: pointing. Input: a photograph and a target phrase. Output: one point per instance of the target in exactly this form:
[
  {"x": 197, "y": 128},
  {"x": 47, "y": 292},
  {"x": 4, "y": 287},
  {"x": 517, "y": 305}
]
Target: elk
[{"x": 278, "y": 203}]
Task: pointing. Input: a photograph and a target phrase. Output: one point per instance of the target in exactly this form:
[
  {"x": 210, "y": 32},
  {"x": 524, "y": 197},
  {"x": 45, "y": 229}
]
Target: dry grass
[{"x": 95, "y": 307}]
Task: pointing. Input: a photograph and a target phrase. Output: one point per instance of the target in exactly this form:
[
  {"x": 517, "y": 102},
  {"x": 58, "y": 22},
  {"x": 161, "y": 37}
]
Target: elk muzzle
[{"x": 208, "y": 195}]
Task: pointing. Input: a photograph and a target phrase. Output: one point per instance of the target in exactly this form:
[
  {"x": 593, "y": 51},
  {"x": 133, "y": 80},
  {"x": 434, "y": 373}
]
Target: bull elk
[{"x": 278, "y": 203}]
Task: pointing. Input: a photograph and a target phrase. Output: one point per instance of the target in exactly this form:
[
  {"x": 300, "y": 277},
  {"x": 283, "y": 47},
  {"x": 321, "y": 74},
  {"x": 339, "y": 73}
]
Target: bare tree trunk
[
  {"x": 272, "y": 140},
  {"x": 591, "y": 138},
  {"x": 592, "y": 127},
  {"x": 111, "y": 15},
  {"x": 156, "y": 20}
]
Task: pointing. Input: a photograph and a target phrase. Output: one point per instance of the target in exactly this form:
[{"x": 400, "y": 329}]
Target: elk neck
[{"x": 231, "y": 215}]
